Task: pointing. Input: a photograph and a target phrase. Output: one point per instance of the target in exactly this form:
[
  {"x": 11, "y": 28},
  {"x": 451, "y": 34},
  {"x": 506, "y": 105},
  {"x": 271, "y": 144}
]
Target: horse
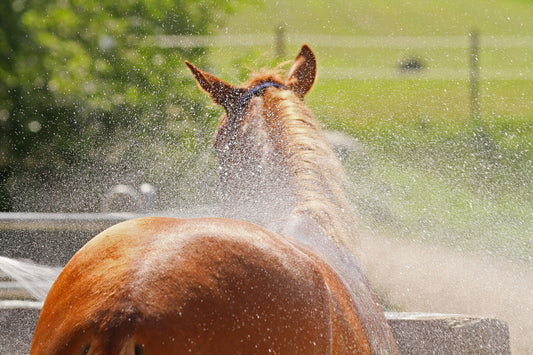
[
  {"x": 285, "y": 284},
  {"x": 278, "y": 170}
]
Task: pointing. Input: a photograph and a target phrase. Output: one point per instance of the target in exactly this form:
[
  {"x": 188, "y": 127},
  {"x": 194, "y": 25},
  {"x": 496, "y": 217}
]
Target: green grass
[
  {"x": 383, "y": 17},
  {"x": 441, "y": 91},
  {"x": 466, "y": 184},
  {"x": 427, "y": 170}
]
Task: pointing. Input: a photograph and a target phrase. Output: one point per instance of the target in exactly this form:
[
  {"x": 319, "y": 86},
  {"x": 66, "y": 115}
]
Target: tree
[{"x": 84, "y": 94}]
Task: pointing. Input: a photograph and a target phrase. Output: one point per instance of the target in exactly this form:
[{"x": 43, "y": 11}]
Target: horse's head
[
  {"x": 299, "y": 80},
  {"x": 251, "y": 140}
]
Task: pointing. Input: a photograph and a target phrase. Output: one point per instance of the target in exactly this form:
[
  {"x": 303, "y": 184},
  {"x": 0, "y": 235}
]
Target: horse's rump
[{"x": 161, "y": 286}]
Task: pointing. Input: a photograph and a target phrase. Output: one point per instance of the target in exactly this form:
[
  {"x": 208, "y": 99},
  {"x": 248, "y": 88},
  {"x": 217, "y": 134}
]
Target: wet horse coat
[{"x": 220, "y": 285}]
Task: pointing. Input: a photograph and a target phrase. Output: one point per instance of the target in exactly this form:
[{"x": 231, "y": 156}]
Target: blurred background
[
  {"x": 437, "y": 96},
  {"x": 431, "y": 102}
]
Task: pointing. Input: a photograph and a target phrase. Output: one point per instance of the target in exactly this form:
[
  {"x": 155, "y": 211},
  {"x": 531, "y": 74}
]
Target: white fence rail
[
  {"x": 332, "y": 41},
  {"x": 429, "y": 73},
  {"x": 464, "y": 43}
]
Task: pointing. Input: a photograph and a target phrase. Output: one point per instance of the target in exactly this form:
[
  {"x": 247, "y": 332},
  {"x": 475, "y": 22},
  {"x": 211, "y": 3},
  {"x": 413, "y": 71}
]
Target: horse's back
[{"x": 161, "y": 285}]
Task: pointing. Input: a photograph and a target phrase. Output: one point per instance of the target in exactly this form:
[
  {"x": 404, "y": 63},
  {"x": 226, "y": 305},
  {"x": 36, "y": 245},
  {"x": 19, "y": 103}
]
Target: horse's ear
[
  {"x": 222, "y": 93},
  {"x": 303, "y": 72}
]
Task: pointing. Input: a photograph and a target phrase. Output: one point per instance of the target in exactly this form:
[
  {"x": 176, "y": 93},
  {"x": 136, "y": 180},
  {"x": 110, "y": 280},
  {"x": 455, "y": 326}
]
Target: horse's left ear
[
  {"x": 303, "y": 72},
  {"x": 222, "y": 93}
]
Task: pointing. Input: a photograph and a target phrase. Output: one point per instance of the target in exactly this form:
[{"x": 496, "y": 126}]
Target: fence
[
  {"x": 468, "y": 47},
  {"x": 335, "y": 41},
  {"x": 280, "y": 40}
]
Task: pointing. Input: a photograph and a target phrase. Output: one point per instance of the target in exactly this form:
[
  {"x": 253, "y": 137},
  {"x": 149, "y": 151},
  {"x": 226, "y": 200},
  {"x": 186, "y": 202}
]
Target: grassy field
[
  {"x": 425, "y": 169},
  {"x": 383, "y": 17}
]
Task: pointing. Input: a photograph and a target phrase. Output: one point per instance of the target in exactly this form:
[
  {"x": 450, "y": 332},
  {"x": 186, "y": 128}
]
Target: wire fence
[
  {"x": 336, "y": 41},
  {"x": 279, "y": 40},
  {"x": 468, "y": 48}
]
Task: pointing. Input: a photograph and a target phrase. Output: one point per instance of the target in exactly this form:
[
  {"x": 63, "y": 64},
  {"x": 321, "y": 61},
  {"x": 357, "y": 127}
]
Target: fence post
[
  {"x": 474, "y": 74},
  {"x": 280, "y": 41}
]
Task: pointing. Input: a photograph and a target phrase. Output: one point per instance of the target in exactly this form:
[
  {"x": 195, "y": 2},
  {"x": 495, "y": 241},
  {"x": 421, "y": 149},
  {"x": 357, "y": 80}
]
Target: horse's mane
[{"x": 316, "y": 174}]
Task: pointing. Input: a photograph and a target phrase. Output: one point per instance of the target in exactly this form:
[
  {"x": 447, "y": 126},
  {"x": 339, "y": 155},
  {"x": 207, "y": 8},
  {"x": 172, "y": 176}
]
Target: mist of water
[{"x": 35, "y": 279}]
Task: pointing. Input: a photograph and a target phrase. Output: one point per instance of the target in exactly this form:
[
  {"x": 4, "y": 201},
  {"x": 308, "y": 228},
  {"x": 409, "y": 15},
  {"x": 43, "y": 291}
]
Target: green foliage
[{"x": 82, "y": 89}]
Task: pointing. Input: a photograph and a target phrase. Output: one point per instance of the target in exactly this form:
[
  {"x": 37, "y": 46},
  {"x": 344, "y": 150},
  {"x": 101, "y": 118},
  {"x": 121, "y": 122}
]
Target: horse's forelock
[{"x": 265, "y": 75}]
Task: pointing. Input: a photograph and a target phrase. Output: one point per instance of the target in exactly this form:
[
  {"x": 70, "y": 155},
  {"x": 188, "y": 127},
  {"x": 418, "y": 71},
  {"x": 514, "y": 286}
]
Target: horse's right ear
[
  {"x": 303, "y": 72},
  {"x": 222, "y": 93}
]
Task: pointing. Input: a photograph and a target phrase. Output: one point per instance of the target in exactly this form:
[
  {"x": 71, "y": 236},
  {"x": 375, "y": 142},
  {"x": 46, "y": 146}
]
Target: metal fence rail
[
  {"x": 334, "y": 41},
  {"x": 279, "y": 40}
]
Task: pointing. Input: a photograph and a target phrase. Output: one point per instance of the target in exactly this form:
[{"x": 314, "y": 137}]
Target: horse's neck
[
  {"x": 317, "y": 177},
  {"x": 284, "y": 168}
]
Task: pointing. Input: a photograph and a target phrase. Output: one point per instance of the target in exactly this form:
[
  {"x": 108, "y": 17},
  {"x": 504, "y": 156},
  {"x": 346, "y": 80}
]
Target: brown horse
[{"x": 217, "y": 285}]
